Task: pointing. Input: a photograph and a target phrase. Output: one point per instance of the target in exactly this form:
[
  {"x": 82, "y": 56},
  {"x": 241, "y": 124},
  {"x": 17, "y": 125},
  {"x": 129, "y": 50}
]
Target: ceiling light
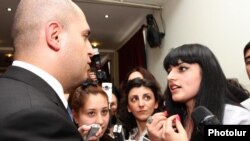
[
  {"x": 95, "y": 44},
  {"x": 9, "y": 9},
  {"x": 9, "y": 55},
  {"x": 106, "y": 16}
]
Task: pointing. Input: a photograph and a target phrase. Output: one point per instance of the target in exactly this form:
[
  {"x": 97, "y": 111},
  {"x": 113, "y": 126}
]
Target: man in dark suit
[{"x": 52, "y": 56}]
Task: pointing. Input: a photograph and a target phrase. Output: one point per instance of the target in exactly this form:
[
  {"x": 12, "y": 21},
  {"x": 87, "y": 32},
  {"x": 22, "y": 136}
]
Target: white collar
[{"x": 52, "y": 81}]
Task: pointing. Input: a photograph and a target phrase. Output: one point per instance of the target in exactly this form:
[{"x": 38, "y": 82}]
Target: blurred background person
[
  {"x": 115, "y": 100},
  {"x": 115, "y": 130},
  {"x": 237, "y": 89},
  {"x": 246, "y": 53},
  {"x": 134, "y": 73}
]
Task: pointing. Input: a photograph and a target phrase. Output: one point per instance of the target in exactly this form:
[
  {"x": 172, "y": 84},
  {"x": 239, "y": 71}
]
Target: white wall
[{"x": 222, "y": 25}]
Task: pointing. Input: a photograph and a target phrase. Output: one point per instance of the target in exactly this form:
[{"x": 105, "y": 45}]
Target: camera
[{"x": 96, "y": 67}]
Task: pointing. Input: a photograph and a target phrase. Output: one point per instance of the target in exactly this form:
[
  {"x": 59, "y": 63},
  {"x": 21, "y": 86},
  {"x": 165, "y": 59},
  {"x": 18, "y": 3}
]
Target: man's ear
[{"x": 53, "y": 32}]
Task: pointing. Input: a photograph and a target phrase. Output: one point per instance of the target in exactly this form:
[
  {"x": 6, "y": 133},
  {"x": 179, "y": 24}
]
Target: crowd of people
[{"x": 33, "y": 106}]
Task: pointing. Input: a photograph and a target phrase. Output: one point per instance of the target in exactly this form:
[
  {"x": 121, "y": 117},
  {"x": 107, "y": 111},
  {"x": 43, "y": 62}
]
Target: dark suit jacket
[{"x": 30, "y": 110}]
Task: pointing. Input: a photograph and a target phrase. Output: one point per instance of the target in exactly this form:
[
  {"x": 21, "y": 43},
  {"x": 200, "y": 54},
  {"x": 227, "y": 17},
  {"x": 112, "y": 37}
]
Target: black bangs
[{"x": 188, "y": 53}]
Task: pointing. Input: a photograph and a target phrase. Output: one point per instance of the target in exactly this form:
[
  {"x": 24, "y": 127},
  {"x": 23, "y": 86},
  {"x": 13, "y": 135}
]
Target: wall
[{"x": 222, "y": 25}]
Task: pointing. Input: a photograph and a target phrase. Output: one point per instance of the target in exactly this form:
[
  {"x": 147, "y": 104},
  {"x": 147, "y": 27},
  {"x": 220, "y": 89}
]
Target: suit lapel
[{"x": 32, "y": 79}]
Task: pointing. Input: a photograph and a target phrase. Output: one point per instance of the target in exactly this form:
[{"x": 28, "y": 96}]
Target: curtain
[{"x": 132, "y": 54}]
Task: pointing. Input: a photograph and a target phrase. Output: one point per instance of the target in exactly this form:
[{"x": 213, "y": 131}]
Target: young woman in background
[
  {"x": 89, "y": 105},
  {"x": 141, "y": 100}
]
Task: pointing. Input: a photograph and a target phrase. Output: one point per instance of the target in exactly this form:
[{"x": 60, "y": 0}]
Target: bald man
[{"x": 52, "y": 56}]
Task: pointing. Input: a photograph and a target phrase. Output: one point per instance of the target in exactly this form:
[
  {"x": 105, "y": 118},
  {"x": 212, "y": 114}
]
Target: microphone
[{"x": 202, "y": 116}]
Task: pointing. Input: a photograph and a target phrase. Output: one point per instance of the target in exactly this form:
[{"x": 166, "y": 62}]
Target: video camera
[{"x": 96, "y": 67}]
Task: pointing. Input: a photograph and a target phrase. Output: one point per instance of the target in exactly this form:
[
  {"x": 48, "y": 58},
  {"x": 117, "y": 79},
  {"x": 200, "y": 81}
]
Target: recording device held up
[
  {"x": 96, "y": 67},
  {"x": 93, "y": 130},
  {"x": 202, "y": 116}
]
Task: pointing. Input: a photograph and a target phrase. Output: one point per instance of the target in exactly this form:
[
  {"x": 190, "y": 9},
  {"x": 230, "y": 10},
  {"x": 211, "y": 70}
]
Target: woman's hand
[
  {"x": 92, "y": 76},
  {"x": 155, "y": 126},
  {"x": 84, "y": 130},
  {"x": 173, "y": 130}
]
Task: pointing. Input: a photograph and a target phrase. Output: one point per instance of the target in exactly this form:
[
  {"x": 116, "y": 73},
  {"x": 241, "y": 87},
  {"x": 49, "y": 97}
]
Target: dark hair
[
  {"x": 238, "y": 90},
  {"x": 144, "y": 72},
  {"x": 246, "y": 48},
  {"x": 116, "y": 92},
  {"x": 127, "y": 118},
  {"x": 213, "y": 92}
]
